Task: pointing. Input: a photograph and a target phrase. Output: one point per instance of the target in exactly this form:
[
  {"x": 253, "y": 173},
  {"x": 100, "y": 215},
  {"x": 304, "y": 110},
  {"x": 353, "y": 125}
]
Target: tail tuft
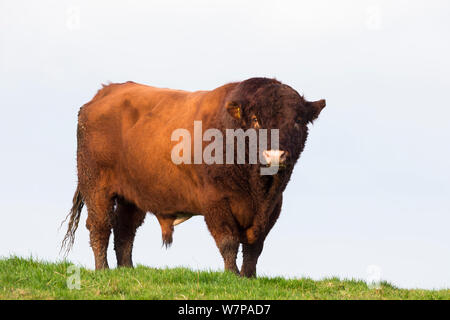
[{"x": 74, "y": 214}]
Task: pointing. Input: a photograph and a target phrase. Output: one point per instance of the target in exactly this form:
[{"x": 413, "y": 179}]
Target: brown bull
[{"x": 125, "y": 167}]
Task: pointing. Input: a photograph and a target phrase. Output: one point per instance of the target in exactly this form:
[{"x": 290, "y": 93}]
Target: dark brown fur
[{"x": 125, "y": 168}]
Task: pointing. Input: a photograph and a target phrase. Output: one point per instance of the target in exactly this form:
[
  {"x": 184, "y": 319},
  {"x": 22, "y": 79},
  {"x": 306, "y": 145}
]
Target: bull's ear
[
  {"x": 315, "y": 108},
  {"x": 234, "y": 109}
]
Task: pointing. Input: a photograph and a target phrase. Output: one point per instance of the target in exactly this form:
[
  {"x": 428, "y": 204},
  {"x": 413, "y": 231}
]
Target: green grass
[{"x": 30, "y": 279}]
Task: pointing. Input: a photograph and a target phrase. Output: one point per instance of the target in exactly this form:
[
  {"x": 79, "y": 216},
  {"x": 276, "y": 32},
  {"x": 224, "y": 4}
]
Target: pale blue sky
[{"x": 372, "y": 186}]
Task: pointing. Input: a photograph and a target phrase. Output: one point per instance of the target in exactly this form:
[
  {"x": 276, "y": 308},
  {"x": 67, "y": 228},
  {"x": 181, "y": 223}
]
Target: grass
[{"x": 30, "y": 279}]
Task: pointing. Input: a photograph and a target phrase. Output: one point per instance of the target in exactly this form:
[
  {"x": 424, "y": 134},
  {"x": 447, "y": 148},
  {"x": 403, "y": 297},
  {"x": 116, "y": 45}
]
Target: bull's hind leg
[
  {"x": 251, "y": 252},
  {"x": 225, "y": 231},
  {"x": 100, "y": 205},
  {"x": 127, "y": 218}
]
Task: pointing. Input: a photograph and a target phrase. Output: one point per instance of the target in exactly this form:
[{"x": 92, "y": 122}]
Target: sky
[{"x": 370, "y": 195}]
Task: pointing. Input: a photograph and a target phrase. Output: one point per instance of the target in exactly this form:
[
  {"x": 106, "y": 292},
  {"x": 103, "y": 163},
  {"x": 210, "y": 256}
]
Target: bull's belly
[
  {"x": 163, "y": 194},
  {"x": 167, "y": 202}
]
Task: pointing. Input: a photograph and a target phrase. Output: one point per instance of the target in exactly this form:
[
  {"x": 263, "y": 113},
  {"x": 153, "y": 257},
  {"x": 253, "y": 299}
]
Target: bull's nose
[{"x": 274, "y": 157}]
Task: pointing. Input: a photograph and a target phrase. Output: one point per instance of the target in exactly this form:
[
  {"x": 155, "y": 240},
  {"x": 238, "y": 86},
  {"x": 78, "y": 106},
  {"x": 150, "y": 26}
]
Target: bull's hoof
[{"x": 248, "y": 273}]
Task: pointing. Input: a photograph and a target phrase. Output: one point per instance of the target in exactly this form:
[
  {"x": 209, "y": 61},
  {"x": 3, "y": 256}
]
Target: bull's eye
[
  {"x": 255, "y": 122},
  {"x": 298, "y": 120}
]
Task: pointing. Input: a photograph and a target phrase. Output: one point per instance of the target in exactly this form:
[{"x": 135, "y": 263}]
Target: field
[{"x": 30, "y": 279}]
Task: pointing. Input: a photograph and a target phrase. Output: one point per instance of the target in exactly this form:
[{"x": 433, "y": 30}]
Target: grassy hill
[{"x": 28, "y": 279}]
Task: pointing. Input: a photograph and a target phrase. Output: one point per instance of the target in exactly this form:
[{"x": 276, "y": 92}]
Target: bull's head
[{"x": 262, "y": 103}]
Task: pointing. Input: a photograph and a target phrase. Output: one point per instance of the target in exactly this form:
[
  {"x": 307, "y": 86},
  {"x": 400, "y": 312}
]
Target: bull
[{"x": 125, "y": 168}]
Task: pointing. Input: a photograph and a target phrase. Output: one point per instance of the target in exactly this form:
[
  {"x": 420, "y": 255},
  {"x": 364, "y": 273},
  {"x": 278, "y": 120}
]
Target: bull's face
[{"x": 273, "y": 105}]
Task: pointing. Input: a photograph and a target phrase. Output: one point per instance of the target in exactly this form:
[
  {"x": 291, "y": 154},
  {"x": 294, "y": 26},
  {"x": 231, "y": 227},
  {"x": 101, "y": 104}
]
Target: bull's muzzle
[{"x": 275, "y": 157}]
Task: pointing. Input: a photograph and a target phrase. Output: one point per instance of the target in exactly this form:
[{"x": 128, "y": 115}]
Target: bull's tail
[{"x": 74, "y": 214}]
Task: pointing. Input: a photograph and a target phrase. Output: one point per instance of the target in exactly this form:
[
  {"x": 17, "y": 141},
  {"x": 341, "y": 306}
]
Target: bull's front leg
[
  {"x": 251, "y": 252},
  {"x": 223, "y": 228}
]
